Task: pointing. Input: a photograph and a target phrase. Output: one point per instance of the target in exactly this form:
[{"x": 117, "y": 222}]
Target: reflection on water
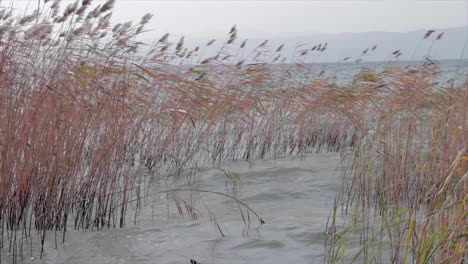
[{"x": 293, "y": 196}]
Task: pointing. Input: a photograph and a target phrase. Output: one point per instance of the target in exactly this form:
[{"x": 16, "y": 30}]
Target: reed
[
  {"x": 406, "y": 187},
  {"x": 90, "y": 116}
]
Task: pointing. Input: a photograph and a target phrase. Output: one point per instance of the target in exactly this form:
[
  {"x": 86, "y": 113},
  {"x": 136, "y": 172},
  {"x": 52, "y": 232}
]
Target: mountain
[{"x": 412, "y": 45}]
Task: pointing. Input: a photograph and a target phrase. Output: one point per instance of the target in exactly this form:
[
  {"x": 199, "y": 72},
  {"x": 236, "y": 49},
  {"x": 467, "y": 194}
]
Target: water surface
[{"x": 293, "y": 195}]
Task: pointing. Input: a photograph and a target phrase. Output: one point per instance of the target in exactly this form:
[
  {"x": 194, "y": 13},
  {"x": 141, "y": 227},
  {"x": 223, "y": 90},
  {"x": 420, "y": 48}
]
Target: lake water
[
  {"x": 345, "y": 72},
  {"x": 293, "y": 196}
]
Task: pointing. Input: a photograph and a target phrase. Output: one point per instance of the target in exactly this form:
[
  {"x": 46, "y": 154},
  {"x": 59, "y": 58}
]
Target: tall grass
[
  {"x": 406, "y": 189},
  {"x": 88, "y": 114}
]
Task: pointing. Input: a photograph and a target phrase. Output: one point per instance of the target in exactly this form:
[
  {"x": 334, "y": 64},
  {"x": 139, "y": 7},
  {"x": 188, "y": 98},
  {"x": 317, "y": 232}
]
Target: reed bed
[
  {"x": 405, "y": 193},
  {"x": 90, "y": 115}
]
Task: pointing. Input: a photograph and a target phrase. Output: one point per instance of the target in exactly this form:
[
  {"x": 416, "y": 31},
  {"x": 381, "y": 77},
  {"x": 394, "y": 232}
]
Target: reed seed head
[
  {"x": 180, "y": 44},
  {"x": 428, "y": 33},
  {"x": 439, "y": 37},
  {"x": 146, "y": 18},
  {"x": 210, "y": 42},
  {"x": 279, "y": 48},
  {"x": 107, "y": 6},
  {"x": 232, "y": 38},
  {"x": 164, "y": 38},
  {"x": 243, "y": 44}
]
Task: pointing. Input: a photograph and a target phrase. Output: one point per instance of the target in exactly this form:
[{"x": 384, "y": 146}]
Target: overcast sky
[{"x": 265, "y": 19}]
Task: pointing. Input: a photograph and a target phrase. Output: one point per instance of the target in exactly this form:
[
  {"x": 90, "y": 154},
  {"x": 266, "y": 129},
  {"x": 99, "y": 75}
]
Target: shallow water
[{"x": 294, "y": 196}]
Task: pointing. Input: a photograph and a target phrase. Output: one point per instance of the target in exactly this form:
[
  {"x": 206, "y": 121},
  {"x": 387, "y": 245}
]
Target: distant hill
[{"x": 412, "y": 45}]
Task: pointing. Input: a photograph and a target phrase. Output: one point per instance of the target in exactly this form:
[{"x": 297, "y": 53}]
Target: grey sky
[{"x": 264, "y": 19}]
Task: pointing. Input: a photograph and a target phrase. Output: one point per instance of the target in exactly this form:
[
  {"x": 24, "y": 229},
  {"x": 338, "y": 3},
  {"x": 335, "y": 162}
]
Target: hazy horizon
[
  {"x": 271, "y": 19},
  {"x": 348, "y": 27}
]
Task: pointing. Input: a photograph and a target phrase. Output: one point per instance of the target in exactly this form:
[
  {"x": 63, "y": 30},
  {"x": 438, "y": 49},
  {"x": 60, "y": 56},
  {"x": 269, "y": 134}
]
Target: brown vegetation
[{"x": 85, "y": 110}]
